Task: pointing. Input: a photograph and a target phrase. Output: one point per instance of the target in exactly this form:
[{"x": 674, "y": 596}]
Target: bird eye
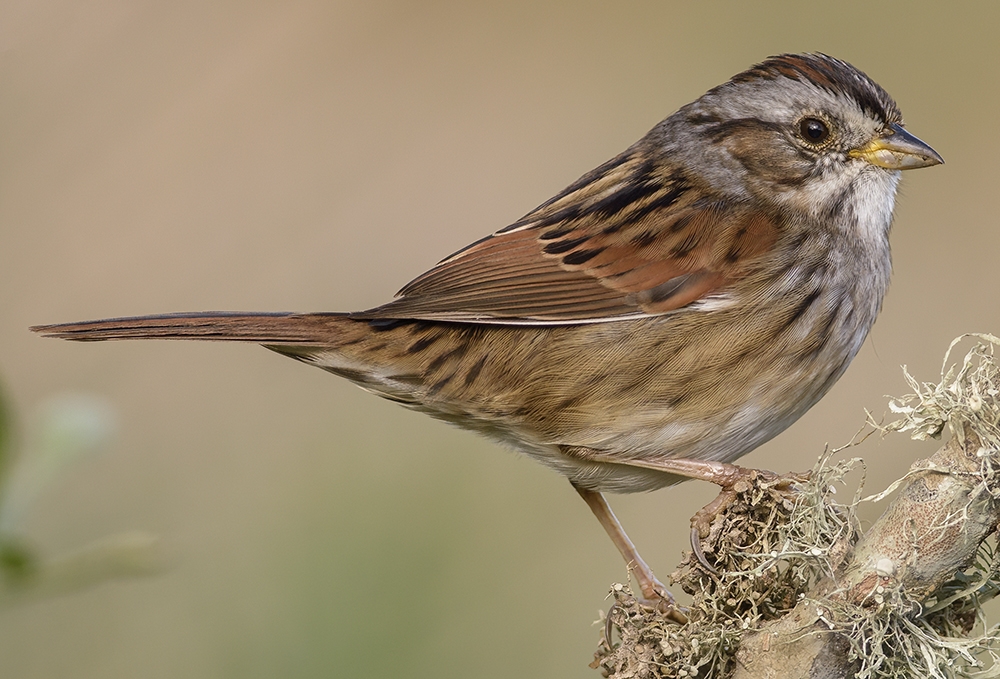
[{"x": 814, "y": 130}]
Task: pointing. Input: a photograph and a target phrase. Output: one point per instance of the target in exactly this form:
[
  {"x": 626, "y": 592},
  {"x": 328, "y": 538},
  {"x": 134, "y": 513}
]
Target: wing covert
[{"x": 629, "y": 239}]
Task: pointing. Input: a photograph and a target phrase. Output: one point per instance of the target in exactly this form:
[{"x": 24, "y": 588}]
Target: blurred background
[{"x": 187, "y": 156}]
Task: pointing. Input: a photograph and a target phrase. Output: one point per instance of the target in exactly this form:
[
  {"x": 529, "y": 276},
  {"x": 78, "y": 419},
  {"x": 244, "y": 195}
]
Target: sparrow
[{"x": 665, "y": 314}]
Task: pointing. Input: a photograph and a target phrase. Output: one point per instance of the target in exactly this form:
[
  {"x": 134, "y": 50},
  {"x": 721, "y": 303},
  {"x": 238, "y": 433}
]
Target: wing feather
[{"x": 630, "y": 239}]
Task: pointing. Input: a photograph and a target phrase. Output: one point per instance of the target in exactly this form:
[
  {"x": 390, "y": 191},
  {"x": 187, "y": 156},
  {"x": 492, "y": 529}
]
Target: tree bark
[
  {"x": 797, "y": 591},
  {"x": 932, "y": 530}
]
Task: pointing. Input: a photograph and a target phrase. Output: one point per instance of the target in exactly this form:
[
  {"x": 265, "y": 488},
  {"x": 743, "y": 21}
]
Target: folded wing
[{"x": 627, "y": 240}]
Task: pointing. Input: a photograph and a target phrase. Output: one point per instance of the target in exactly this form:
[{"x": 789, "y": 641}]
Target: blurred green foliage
[
  {"x": 4, "y": 439},
  {"x": 16, "y": 560},
  {"x": 70, "y": 428}
]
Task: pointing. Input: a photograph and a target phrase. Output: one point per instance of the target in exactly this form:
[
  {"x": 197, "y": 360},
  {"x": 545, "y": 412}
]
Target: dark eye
[{"x": 814, "y": 130}]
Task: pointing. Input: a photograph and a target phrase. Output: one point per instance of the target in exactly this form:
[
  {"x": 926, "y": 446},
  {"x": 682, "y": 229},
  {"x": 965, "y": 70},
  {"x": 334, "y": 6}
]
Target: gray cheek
[
  {"x": 775, "y": 168},
  {"x": 715, "y": 165}
]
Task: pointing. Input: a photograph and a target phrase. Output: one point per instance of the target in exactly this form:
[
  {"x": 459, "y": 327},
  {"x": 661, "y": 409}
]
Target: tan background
[{"x": 169, "y": 156}]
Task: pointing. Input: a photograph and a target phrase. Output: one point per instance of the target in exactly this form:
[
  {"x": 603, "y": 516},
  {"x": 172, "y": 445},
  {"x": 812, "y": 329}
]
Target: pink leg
[
  {"x": 652, "y": 589},
  {"x": 720, "y": 473}
]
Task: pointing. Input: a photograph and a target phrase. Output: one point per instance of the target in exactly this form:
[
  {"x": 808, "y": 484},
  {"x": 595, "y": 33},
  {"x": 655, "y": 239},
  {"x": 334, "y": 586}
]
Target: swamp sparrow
[{"x": 665, "y": 314}]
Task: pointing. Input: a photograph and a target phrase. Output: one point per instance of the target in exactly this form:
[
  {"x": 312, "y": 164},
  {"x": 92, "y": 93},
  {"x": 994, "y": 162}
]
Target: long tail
[{"x": 264, "y": 328}]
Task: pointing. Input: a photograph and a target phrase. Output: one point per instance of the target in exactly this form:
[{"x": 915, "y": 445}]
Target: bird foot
[
  {"x": 655, "y": 597},
  {"x": 735, "y": 480}
]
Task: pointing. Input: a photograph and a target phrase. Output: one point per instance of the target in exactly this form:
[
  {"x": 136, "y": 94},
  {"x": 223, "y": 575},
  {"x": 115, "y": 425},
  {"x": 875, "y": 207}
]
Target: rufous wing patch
[{"x": 655, "y": 252}]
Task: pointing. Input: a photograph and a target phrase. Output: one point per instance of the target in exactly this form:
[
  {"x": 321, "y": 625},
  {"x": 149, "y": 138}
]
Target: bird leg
[
  {"x": 720, "y": 473},
  {"x": 733, "y": 480},
  {"x": 727, "y": 476},
  {"x": 654, "y": 594}
]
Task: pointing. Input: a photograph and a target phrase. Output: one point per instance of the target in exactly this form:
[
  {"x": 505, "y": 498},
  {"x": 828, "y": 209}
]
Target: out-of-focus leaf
[
  {"x": 5, "y": 452},
  {"x": 71, "y": 426},
  {"x": 126, "y": 555},
  {"x": 17, "y": 561}
]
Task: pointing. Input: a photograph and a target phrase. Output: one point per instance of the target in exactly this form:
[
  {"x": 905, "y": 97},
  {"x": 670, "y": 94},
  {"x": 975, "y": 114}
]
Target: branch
[{"x": 800, "y": 592}]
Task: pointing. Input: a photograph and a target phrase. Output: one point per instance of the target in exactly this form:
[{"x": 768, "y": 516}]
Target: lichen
[
  {"x": 777, "y": 545},
  {"x": 769, "y": 547}
]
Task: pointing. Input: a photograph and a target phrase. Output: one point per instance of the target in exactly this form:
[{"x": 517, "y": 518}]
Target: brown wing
[{"x": 629, "y": 239}]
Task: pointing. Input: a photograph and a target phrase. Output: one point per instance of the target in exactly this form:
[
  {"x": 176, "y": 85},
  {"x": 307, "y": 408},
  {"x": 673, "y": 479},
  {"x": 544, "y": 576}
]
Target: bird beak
[{"x": 897, "y": 149}]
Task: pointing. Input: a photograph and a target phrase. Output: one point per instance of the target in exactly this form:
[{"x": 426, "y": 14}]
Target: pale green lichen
[
  {"x": 771, "y": 547},
  {"x": 966, "y": 396}
]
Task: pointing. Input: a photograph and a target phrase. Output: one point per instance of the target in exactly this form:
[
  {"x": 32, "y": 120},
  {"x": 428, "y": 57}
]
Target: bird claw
[
  {"x": 697, "y": 551},
  {"x": 667, "y": 606},
  {"x": 657, "y": 599},
  {"x": 735, "y": 480}
]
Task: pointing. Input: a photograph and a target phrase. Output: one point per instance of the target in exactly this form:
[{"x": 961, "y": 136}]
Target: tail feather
[{"x": 265, "y": 328}]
